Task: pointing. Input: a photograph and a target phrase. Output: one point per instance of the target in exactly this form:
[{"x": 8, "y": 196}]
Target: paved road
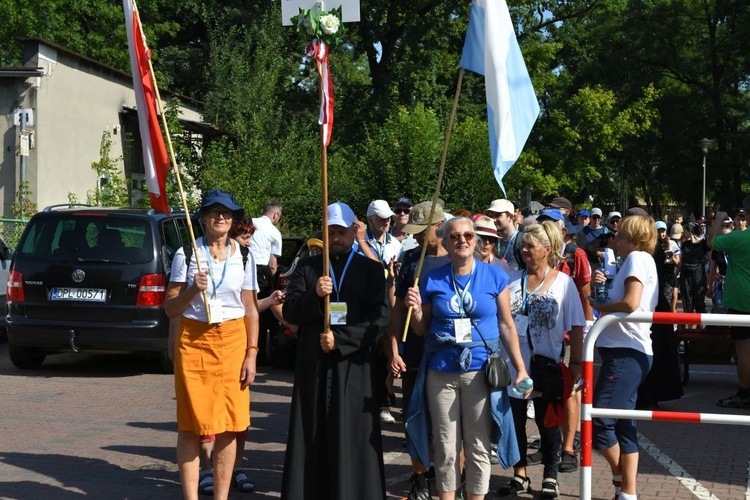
[{"x": 103, "y": 427}]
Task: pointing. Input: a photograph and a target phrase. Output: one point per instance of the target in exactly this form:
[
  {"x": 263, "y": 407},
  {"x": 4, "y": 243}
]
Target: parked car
[
  {"x": 6, "y": 254},
  {"x": 92, "y": 279}
]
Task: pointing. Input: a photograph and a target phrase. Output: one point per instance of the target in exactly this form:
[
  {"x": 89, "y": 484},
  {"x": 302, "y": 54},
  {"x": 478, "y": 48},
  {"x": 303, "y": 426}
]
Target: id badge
[
  {"x": 462, "y": 327},
  {"x": 217, "y": 316},
  {"x": 338, "y": 313},
  {"x": 522, "y": 324}
]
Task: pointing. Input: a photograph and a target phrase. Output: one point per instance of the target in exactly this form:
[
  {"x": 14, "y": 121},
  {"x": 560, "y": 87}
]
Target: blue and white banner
[{"x": 491, "y": 49}]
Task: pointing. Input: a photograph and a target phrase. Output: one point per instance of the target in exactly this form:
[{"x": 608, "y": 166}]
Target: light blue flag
[{"x": 491, "y": 49}]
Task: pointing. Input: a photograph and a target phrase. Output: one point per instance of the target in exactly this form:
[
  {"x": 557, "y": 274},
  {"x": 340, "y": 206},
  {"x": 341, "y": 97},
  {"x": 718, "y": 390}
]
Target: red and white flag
[
  {"x": 155, "y": 159},
  {"x": 318, "y": 50}
]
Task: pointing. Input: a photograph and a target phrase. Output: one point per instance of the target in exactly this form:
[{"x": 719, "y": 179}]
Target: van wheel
[
  {"x": 165, "y": 363},
  {"x": 25, "y": 358}
]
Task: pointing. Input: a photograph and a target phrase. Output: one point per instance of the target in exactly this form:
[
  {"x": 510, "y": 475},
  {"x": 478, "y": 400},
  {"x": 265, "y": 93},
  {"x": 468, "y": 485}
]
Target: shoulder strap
[
  {"x": 570, "y": 252},
  {"x": 517, "y": 245},
  {"x": 188, "y": 249},
  {"x": 244, "y": 251}
]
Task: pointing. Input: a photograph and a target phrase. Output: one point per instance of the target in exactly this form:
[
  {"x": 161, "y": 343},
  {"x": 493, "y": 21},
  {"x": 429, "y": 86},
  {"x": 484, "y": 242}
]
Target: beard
[{"x": 339, "y": 249}]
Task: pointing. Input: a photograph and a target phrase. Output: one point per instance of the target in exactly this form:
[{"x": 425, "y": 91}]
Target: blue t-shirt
[{"x": 485, "y": 283}]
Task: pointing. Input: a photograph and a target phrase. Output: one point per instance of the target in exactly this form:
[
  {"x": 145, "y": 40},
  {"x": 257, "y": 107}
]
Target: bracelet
[{"x": 252, "y": 347}]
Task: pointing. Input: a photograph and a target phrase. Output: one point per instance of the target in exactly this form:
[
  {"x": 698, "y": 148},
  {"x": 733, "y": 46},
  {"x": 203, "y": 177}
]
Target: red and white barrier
[{"x": 587, "y": 408}]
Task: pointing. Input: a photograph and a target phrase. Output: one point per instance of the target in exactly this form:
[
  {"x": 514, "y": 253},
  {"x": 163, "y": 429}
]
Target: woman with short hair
[
  {"x": 625, "y": 349},
  {"x": 216, "y": 349},
  {"x": 464, "y": 309},
  {"x": 545, "y": 304}
]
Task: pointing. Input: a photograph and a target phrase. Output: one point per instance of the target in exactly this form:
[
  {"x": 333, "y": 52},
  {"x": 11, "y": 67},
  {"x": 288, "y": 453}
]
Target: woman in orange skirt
[{"x": 216, "y": 349}]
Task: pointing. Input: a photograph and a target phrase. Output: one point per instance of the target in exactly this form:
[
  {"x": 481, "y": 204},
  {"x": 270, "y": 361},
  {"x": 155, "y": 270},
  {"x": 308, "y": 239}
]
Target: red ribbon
[{"x": 319, "y": 50}]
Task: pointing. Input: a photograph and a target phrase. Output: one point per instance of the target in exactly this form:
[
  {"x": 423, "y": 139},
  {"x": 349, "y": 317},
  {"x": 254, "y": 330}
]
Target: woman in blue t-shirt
[{"x": 463, "y": 307}]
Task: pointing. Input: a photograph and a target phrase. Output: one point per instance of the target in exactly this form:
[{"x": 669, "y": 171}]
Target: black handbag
[
  {"x": 548, "y": 378},
  {"x": 496, "y": 371}
]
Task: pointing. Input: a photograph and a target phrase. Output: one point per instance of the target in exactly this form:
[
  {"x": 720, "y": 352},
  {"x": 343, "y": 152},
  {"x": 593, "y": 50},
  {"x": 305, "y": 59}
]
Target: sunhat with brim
[
  {"x": 484, "y": 226},
  {"x": 419, "y": 217},
  {"x": 220, "y": 197}
]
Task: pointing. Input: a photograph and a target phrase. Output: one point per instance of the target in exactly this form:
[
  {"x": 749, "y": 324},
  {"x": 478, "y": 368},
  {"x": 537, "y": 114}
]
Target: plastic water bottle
[
  {"x": 523, "y": 386},
  {"x": 601, "y": 289}
]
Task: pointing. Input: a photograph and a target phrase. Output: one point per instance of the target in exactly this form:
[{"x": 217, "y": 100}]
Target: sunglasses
[
  {"x": 486, "y": 240},
  {"x": 614, "y": 221},
  {"x": 596, "y": 216},
  {"x": 401, "y": 211},
  {"x": 456, "y": 237},
  {"x": 215, "y": 212}
]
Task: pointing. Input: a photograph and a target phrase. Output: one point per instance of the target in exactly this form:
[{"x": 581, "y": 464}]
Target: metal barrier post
[{"x": 587, "y": 407}]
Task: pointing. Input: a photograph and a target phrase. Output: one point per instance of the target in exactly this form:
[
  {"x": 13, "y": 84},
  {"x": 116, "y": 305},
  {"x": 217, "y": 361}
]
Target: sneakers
[
  {"x": 420, "y": 489},
  {"x": 568, "y": 462},
  {"x": 549, "y": 488},
  {"x": 386, "y": 417},
  {"x": 734, "y": 401}
]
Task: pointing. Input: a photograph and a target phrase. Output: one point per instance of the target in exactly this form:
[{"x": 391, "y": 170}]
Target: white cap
[
  {"x": 596, "y": 211},
  {"x": 500, "y": 206},
  {"x": 339, "y": 214},
  {"x": 614, "y": 214},
  {"x": 380, "y": 208}
]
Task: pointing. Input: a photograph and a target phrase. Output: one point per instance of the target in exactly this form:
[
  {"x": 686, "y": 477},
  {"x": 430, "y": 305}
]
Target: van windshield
[{"x": 88, "y": 239}]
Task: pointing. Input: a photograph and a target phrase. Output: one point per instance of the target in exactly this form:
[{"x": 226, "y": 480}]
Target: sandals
[
  {"x": 734, "y": 401},
  {"x": 206, "y": 482},
  {"x": 516, "y": 485},
  {"x": 242, "y": 482},
  {"x": 550, "y": 488},
  {"x": 534, "y": 458},
  {"x": 568, "y": 462}
]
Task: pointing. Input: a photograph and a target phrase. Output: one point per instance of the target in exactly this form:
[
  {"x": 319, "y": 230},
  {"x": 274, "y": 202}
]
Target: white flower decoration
[{"x": 329, "y": 23}]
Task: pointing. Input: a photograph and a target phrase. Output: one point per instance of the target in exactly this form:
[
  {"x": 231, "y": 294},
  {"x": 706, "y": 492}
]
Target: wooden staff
[
  {"x": 176, "y": 169},
  {"x": 324, "y": 196},
  {"x": 437, "y": 193}
]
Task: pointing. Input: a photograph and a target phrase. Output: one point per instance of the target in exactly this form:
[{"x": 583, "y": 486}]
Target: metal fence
[{"x": 10, "y": 231}]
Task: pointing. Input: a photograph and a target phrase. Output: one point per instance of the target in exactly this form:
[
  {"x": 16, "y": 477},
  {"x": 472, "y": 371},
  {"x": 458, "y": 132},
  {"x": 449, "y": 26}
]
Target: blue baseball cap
[
  {"x": 584, "y": 213},
  {"x": 220, "y": 197},
  {"x": 404, "y": 201},
  {"x": 340, "y": 214},
  {"x": 551, "y": 214}
]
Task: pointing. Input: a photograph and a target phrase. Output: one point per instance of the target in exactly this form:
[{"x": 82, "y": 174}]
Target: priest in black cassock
[{"x": 334, "y": 449}]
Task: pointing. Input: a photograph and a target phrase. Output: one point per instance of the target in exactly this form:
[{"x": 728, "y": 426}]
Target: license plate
[{"x": 79, "y": 294}]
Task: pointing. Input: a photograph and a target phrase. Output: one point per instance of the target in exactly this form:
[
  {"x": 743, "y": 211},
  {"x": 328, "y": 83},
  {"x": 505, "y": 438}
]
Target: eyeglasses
[
  {"x": 456, "y": 237},
  {"x": 215, "y": 212},
  {"x": 401, "y": 211}
]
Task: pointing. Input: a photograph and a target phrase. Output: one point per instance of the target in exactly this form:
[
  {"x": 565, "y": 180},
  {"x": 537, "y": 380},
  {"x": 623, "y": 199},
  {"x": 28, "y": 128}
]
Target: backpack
[{"x": 188, "y": 249}]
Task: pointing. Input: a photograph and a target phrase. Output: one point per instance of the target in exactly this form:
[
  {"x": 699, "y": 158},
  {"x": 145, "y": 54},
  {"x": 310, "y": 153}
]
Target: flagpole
[
  {"x": 183, "y": 197},
  {"x": 437, "y": 193},
  {"x": 324, "y": 196}
]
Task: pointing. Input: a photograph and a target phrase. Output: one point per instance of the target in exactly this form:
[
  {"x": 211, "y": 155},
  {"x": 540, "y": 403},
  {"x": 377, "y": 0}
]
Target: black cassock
[{"x": 334, "y": 449}]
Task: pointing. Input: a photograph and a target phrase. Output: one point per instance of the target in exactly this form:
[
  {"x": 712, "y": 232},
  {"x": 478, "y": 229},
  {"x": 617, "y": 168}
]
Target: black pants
[{"x": 551, "y": 437}]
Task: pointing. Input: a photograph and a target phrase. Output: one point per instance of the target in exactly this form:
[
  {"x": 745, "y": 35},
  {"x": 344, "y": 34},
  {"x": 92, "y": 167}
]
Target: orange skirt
[{"x": 207, "y": 364}]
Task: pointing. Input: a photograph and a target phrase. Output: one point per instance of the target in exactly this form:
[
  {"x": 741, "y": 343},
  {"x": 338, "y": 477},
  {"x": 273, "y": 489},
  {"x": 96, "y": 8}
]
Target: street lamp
[{"x": 704, "y": 147}]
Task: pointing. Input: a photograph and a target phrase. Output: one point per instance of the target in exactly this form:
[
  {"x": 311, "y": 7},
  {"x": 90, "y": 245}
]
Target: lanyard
[
  {"x": 210, "y": 271},
  {"x": 375, "y": 244},
  {"x": 510, "y": 246},
  {"x": 337, "y": 284},
  {"x": 524, "y": 294},
  {"x": 461, "y": 291}
]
